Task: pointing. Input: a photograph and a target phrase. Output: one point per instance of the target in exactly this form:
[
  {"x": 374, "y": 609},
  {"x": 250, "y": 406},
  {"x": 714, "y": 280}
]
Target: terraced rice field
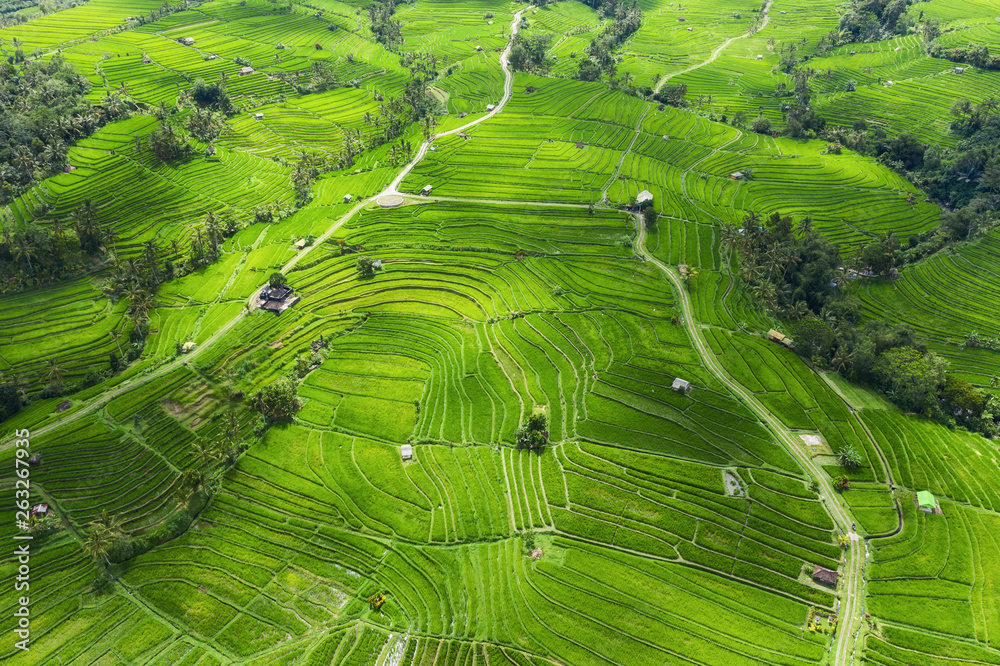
[
  {"x": 656, "y": 525},
  {"x": 924, "y": 297}
]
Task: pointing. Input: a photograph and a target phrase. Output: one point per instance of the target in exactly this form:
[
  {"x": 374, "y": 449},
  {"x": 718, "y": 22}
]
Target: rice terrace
[{"x": 493, "y": 333}]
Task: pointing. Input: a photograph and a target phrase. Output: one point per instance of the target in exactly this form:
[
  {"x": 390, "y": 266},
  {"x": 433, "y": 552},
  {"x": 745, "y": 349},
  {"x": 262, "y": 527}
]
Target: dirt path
[
  {"x": 850, "y": 610},
  {"x": 508, "y": 86},
  {"x": 719, "y": 49}
]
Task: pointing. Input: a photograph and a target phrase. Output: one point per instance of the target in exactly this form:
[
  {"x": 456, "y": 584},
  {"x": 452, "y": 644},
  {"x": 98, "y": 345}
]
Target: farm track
[
  {"x": 854, "y": 567},
  {"x": 719, "y": 49}
]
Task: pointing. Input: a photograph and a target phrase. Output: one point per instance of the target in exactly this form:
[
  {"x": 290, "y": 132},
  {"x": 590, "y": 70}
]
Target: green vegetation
[{"x": 531, "y": 400}]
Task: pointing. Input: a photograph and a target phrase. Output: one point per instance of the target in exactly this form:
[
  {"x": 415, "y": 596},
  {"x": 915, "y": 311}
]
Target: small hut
[
  {"x": 644, "y": 197},
  {"x": 146, "y": 60},
  {"x": 960, "y": 70},
  {"x": 35, "y": 460},
  {"x": 246, "y": 70},
  {"x": 347, "y": 198},
  {"x": 426, "y": 190},
  {"x": 40, "y": 510},
  {"x": 186, "y": 41},
  {"x": 406, "y": 451},
  {"x": 258, "y": 116},
  {"x": 490, "y": 107},
  {"x": 681, "y": 385},
  {"x": 188, "y": 347},
  {"x": 926, "y": 501},
  {"x": 825, "y": 576}
]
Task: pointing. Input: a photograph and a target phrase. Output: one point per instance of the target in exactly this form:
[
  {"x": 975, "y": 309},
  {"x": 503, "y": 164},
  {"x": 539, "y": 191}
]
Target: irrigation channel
[{"x": 851, "y": 601}]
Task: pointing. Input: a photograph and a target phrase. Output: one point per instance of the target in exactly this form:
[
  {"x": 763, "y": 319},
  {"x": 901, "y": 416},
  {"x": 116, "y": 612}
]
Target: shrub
[
  {"x": 849, "y": 457},
  {"x": 366, "y": 266},
  {"x": 761, "y": 125},
  {"x": 277, "y": 401},
  {"x": 93, "y": 377},
  {"x": 53, "y": 389},
  {"x": 533, "y": 433}
]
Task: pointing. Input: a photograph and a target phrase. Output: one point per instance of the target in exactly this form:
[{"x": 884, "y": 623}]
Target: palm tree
[
  {"x": 55, "y": 371},
  {"x": 190, "y": 483},
  {"x": 688, "y": 272},
  {"x": 842, "y": 359},
  {"x": 58, "y": 229},
  {"x": 140, "y": 303},
  {"x": 111, "y": 524},
  {"x": 101, "y": 535},
  {"x": 206, "y": 454},
  {"x": 24, "y": 249},
  {"x": 115, "y": 334},
  {"x": 108, "y": 237},
  {"x": 97, "y": 545}
]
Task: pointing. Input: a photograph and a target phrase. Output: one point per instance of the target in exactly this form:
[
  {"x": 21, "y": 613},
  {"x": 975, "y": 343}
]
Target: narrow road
[
  {"x": 719, "y": 49},
  {"x": 854, "y": 566}
]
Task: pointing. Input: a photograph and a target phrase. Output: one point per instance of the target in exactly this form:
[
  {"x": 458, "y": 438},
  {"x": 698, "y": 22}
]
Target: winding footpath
[
  {"x": 719, "y": 49},
  {"x": 851, "y": 600}
]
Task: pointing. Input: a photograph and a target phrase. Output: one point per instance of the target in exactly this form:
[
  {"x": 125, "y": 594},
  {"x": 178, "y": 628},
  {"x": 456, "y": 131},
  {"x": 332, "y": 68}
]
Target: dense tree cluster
[
  {"x": 212, "y": 95},
  {"x": 42, "y": 109},
  {"x": 528, "y": 53},
  {"x": 875, "y": 20},
  {"x": 977, "y": 55},
  {"x": 625, "y": 18},
  {"x": 671, "y": 95},
  {"x": 304, "y": 173},
  {"x": 789, "y": 273},
  {"x": 278, "y": 401},
  {"x": 533, "y": 433},
  {"x": 800, "y": 277},
  {"x": 32, "y": 254},
  {"x": 385, "y": 29}
]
